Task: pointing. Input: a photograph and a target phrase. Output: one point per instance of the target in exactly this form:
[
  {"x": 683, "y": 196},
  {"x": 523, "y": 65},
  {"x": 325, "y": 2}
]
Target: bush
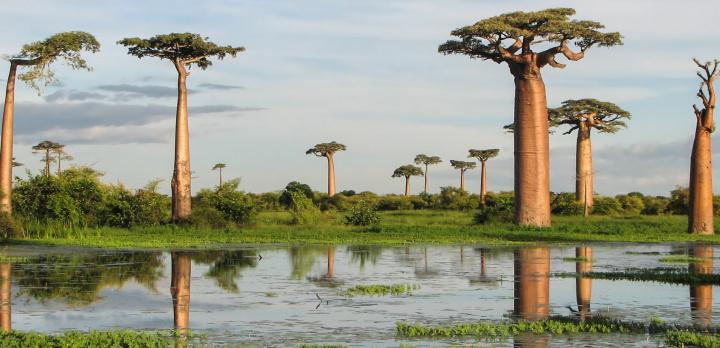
[
  {"x": 631, "y": 204},
  {"x": 498, "y": 208},
  {"x": 452, "y": 198},
  {"x": 394, "y": 202},
  {"x": 234, "y": 206},
  {"x": 207, "y": 217},
  {"x": 294, "y": 186},
  {"x": 606, "y": 206},
  {"x": 566, "y": 204},
  {"x": 654, "y": 205},
  {"x": 304, "y": 211},
  {"x": 362, "y": 214},
  {"x": 679, "y": 199},
  {"x": 9, "y": 227}
]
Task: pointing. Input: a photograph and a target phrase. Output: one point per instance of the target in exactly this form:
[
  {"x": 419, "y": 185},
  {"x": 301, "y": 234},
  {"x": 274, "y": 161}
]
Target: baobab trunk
[
  {"x": 462, "y": 180},
  {"x": 5, "y": 297},
  {"x": 220, "y": 177},
  {"x": 331, "y": 262},
  {"x": 425, "y": 176},
  {"x": 181, "y": 194},
  {"x": 483, "y": 183},
  {"x": 700, "y": 215},
  {"x": 583, "y": 285},
  {"x": 6, "y": 144},
  {"x": 701, "y": 299},
  {"x": 407, "y": 186},
  {"x": 532, "y": 283},
  {"x": 532, "y": 169},
  {"x": 583, "y": 166},
  {"x": 331, "y": 176},
  {"x": 180, "y": 291}
]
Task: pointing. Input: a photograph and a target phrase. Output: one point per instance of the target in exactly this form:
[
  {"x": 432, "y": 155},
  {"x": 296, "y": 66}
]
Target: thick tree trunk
[
  {"x": 425, "y": 176},
  {"x": 583, "y": 167},
  {"x": 181, "y": 193},
  {"x": 180, "y": 291},
  {"x": 583, "y": 285},
  {"x": 5, "y": 297},
  {"x": 483, "y": 183},
  {"x": 532, "y": 283},
  {"x": 331, "y": 175},
  {"x": 701, "y": 299},
  {"x": 6, "y": 143},
  {"x": 407, "y": 186},
  {"x": 462, "y": 180},
  {"x": 532, "y": 159},
  {"x": 700, "y": 217}
]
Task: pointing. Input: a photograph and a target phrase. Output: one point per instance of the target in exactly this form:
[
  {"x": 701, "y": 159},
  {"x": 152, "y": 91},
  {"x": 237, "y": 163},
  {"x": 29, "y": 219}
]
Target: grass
[
  {"x": 121, "y": 338},
  {"x": 381, "y": 290},
  {"x": 686, "y": 338},
  {"x": 658, "y": 275},
  {"x": 396, "y": 228},
  {"x": 576, "y": 259},
  {"x": 681, "y": 259}
]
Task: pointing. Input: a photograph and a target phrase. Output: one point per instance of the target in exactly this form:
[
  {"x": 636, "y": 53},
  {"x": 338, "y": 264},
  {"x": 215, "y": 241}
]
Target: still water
[{"x": 285, "y": 295}]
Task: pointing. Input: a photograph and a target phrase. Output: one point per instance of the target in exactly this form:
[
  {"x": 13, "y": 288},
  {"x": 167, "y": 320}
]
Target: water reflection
[
  {"x": 701, "y": 298},
  {"x": 583, "y": 285},
  {"x": 180, "y": 291},
  {"x": 5, "y": 297},
  {"x": 532, "y": 283},
  {"x": 226, "y": 265},
  {"x": 531, "y": 341}
]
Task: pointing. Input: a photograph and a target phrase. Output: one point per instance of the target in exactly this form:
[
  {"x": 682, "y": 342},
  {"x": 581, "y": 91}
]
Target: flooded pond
[{"x": 284, "y": 296}]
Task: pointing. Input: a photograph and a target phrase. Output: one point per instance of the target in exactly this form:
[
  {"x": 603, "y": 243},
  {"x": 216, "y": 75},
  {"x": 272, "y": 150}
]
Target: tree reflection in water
[
  {"x": 532, "y": 283},
  {"x": 701, "y": 295},
  {"x": 583, "y": 285}
]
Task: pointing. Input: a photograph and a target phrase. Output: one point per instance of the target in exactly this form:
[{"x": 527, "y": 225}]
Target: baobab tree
[
  {"x": 61, "y": 155},
  {"x": 700, "y": 208},
  {"x": 585, "y": 115},
  {"x": 45, "y": 148},
  {"x": 427, "y": 161},
  {"x": 219, "y": 167},
  {"x": 462, "y": 166},
  {"x": 184, "y": 50},
  {"x": 328, "y": 151},
  {"x": 407, "y": 171},
  {"x": 510, "y": 38},
  {"x": 483, "y": 156},
  {"x": 35, "y": 60}
]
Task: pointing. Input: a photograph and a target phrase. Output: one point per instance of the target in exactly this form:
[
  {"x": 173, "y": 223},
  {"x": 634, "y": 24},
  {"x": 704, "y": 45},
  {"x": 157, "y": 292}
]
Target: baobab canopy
[
  {"x": 427, "y": 160},
  {"x": 483, "y": 155},
  {"x": 463, "y": 165},
  {"x": 186, "y": 48},
  {"x": 606, "y": 117},
  {"x": 407, "y": 171},
  {"x": 325, "y": 149}
]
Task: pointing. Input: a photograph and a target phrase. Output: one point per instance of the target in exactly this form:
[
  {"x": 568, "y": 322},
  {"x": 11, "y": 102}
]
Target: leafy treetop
[
  {"x": 47, "y": 145},
  {"x": 483, "y": 155},
  {"x": 510, "y": 37},
  {"x": 606, "y": 117},
  {"x": 463, "y": 165},
  {"x": 219, "y": 166},
  {"x": 39, "y": 55},
  {"x": 326, "y": 149},
  {"x": 407, "y": 171},
  {"x": 427, "y": 160},
  {"x": 183, "y": 49}
]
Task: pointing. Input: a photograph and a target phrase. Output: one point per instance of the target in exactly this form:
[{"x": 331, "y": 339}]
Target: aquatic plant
[
  {"x": 659, "y": 275},
  {"x": 687, "y": 338},
  {"x": 121, "y": 339},
  {"x": 680, "y": 259},
  {"x": 381, "y": 290}
]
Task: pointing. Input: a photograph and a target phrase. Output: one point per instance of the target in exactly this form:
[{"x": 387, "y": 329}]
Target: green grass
[
  {"x": 658, "y": 275},
  {"x": 396, "y": 228},
  {"x": 681, "y": 259},
  {"x": 381, "y": 290},
  {"x": 686, "y": 338},
  {"x": 121, "y": 338},
  {"x": 576, "y": 259}
]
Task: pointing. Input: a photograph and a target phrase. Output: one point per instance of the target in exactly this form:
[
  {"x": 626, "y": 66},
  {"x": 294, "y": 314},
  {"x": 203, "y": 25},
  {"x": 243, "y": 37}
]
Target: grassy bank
[{"x": 395, "y": 228}]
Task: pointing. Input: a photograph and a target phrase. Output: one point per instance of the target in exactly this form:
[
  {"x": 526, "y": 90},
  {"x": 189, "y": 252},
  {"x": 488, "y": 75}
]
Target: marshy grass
[
  {"x": 681, "y": 259},
  {"x": 381, "y": 290},
  {"x": 687, "y": 338},
  {"x": 659, "y": 275},
  {"x": 577, "y": 259},
  {"x": 119, "y": 338}
]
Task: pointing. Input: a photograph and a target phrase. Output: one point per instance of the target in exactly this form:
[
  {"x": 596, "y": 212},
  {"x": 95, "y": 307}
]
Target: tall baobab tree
[
  {"x": 61, "y": 155},
  {"x": 462, "y": 166},
  {"x": 35, "y": 59},
  {"x": 328, "y": 151},
  {"x": 219, "y": 167},
  {"x": 427, "y": 161},
  {"x": 509, "y": 38},
  {"x": 407, "y": 171},
  {"x": 700, "y": 212},
  {"x": 184, "y": 50},
  {"x": 483, "y": 156},
  {"x": 585, "y": 115},
  {"x": 45, "y": 148}
]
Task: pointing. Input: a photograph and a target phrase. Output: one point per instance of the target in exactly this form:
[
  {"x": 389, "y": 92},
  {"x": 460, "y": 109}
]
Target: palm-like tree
[
  {"x": 61, "y": 155},
  {"x": 45, "y": 148},
  {"x": 483, "y": 156},
  {"x": 328, "y": 151},
  {"x": 219, "y": 167},
  {"x": 407, "y": 171},
  {"x": 462, "y": 166},
  {"x": 426, "y": 160}
]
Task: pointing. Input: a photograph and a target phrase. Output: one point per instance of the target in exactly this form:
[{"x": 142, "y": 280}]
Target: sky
[{"x": 363, "y": 73}]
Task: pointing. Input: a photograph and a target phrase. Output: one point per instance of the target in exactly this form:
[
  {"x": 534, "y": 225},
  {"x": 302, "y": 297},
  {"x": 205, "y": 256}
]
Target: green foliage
[
  {"x": 483, "y": 155},
  {"x": 394, "y": 202},
  {"x": 565, "y": 204},
  {"x": 362, "y": 214},
  {"x": 189, "y": 49},
  {"x": 684, "y": 259},
  {"x": 118, "y": 339},
  {"x": 235, "y": 206},
  {"x": 655, "y": 205},
  {"x": 381, "y": 290},
  {"x": 454, "y": 198},
  {"x": 463, "y": 165},
  {"x": 304, "y": 211},
  {"x": 631, "y": 204},
  {"x": 326, "y": 149},
  {"x": 294, "y": 186},
  {"x": 679, "y": 201},
  {"x": 688, "y": 338},
  {"x": 606, "y": 206},
  {"x": 607, "y": 117},
  {"x": 427, "y": 160},
  {"x": 9, "y": 227},
  {"x": 659, "y": 275},
  {"x": 498, "y": 208},
  {"x": 407, "y": 171}
]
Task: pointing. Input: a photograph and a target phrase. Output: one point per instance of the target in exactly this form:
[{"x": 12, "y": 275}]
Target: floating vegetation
[
  {"x": 577, "y": 259},
  {"x": 681, "y": 259},
  {"x": 270, "y": 294},
  {"x": 687, "y": 338},
  {"x": 381, "y": 290},
  {"x": 659, "y": 275},
  {"x": 120, "y": 338},
  {"x": 320, "y": 346},
  {"x": 14, "y": 259}
]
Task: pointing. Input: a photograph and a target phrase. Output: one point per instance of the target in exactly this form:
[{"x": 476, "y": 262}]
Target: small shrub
[
  {"x": 452, "y": 198},
  {"x": 362, "y": 214},
  {"x": 294, "y": 186},
  {"x": 235, "y": 206},
  {"x": 631, "y": 204},
  {"x": 394, "y": 202},
  {"x": 565, "y": 204},
  {"x": 606, "y": 206},
  {"x": 304, "y": 211},
  {"x": 207, "y": 217},
  {"x": 9, "y": 227},
  {"x": 498, "y": 208}
]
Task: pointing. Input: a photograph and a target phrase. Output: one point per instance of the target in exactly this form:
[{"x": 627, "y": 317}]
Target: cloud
[
  {"x": 73, "y": 95},
  {"x": 219, "y": 86},
  {"x": 125, "y": 91}
]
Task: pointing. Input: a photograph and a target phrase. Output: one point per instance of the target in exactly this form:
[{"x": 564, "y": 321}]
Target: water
[{"x": 270, "y": 295}]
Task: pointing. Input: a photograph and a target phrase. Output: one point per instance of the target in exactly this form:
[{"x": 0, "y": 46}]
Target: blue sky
[{"x": 364, "y": 73}]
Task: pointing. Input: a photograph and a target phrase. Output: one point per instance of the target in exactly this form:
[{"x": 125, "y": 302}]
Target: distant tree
[
  {"x": 16, "y": 164},
  {"x": 426, "y": 160},
  {"x": 462, "y": 166},
  {"x": 407, "y": 171},
  {"x": 184, "y": 50},
  {"x": 700, "y": 214},
  {"x": 585, "y": 115},
  {"x": 483, "y": 156},
  {"x": 510, "y": 38},
  {"x": 294, "y": 186},
  {"x": 36, "y": 58},
  {"x": 45, "y": 148},
  {"x": 61, "y": 155},
  {"x": 328, "y": 151},
  {"x": 219, "y": 167}
]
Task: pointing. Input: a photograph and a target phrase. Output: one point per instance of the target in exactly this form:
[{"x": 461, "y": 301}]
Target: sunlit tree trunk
[
  {"x": 331, "y": 262},
  {"x": 407, "y": 186},
  {"x": 181, "y": 192},
  {"x": 700, "y": 216},
  {"x": 220, "y": 169},
  {"x": 583, "y": 166},
  {"x": 6, "y": 143},
  {"x": 5, "y": 297},
  {"x": 425, "y": 176},
  {"x": 180, "y": 291},
  {"x": 331, "y": 175},
  {"x": 483, "y": 182},
  {"x": 462, "y": 179},
  {"x": 532, "y": 283},
  {"x": 583, "y": 285},
  {"x": 532, "y": 159},
  {"x": 701, "y": 299}
]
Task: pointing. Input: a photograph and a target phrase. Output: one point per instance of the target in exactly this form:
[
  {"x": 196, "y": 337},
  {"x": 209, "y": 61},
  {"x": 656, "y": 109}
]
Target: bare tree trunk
[
  {"x": 701, "y": 299},
  {"x": 220, "y": 177},
  {"x": 181, "y": 192},
  {"x": 532, "y": 159},
  {"x": 331, "y": 262},
  {"x": 583, "y": 285},
  {"x": 532, "y": 283},
  {"x": 6, "y": 143},
  {"x": 331, "y": 175},
  {"x": 47, "y": 163},
  {"x": 5, "y": 297},
  {"x": 700, "y": 217},
  {"x": 583, "y": 166},
  {"x": 425, "y": 176},
  {"x": 59, "y": 160},
  {"x": 407, "y": 186},
  {"x": 462, "y": 180},
  {"x": 180, "y": 291},
  {"x": 483, "y": 183}
]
